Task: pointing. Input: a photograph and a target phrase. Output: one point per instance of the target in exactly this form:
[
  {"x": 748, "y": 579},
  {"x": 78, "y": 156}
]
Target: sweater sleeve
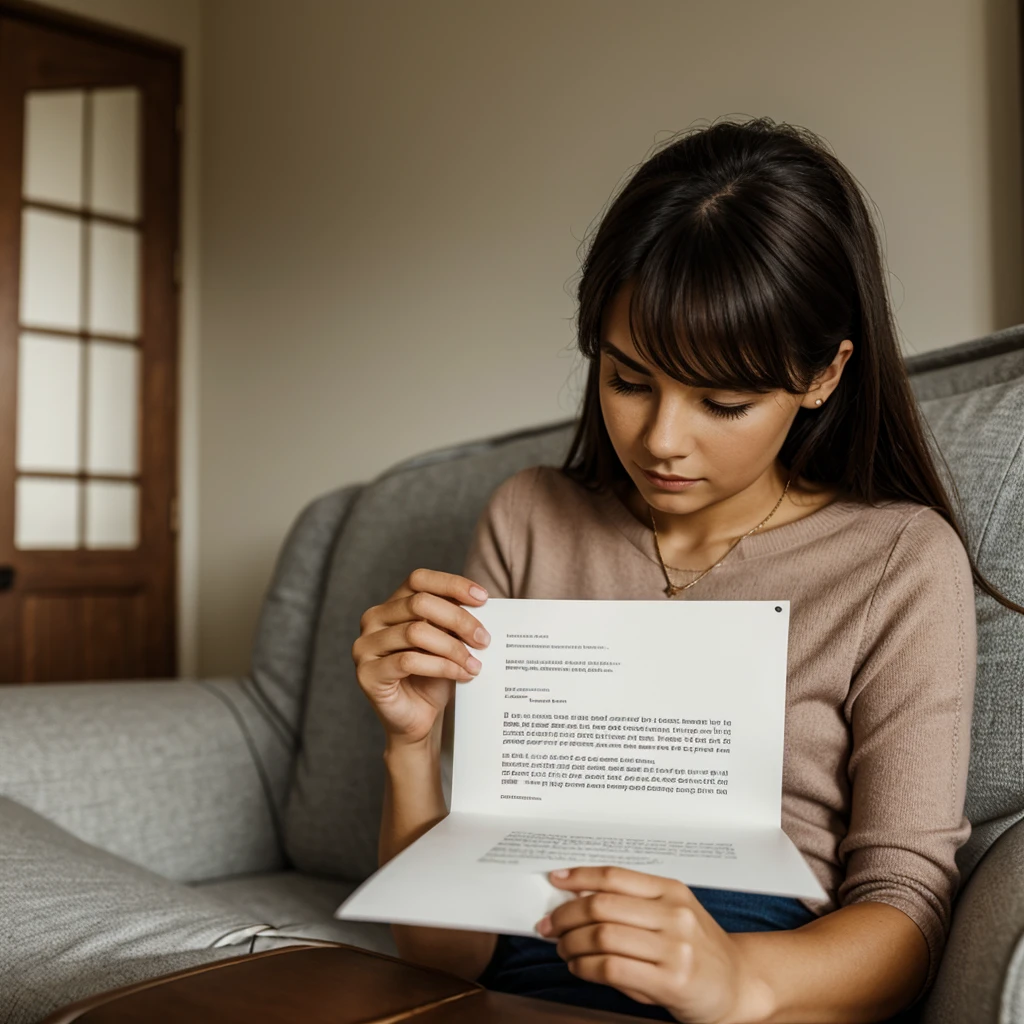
[{"x": 909, "y": 708}]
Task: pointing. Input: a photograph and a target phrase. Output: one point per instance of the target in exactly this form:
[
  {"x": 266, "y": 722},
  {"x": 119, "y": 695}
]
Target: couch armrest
[
  {"x": 981, "y": 977},
  {"x": 78, "y": 921},
  {"x": 187, "y": 779}
]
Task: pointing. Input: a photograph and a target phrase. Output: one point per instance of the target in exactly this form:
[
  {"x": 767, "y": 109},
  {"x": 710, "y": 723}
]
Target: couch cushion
[
  {"x": 134, "y": 767},
  {"x": 420, "y": 513},
  {"x": 297, "y": 907}
]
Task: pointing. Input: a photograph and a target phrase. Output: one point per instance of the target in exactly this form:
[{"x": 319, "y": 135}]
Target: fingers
[
  {"x": 607, "y": 878},
  {"x": 397, "y": 666},
  {"x": 406, "y": 604},
  {"x": 612, "y": 939},
  {"x": 426, "y": 622},
  {"x": 639, "y": 979},
  {"x": 602, "y": 908},
  {"x": 422, "y": 614},
  {"x": 642, "y": 947},
  {"x": 421, "y": 634},
  {"x": 438, "y": 610},
  {"x": 446, "y": 584}
]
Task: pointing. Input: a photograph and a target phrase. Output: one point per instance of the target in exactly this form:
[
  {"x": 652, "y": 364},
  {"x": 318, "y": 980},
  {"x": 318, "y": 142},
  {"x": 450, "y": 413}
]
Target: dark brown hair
[{"x": 753, "y": 255}]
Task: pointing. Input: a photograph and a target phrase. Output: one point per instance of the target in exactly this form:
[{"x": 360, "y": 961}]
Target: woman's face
[{"x": 726, "y": 441}]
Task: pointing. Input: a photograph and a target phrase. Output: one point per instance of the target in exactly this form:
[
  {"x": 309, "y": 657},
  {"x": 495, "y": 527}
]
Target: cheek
[
  {"x": 744, "y": 444},
  {"x": 623, "y": 419}
]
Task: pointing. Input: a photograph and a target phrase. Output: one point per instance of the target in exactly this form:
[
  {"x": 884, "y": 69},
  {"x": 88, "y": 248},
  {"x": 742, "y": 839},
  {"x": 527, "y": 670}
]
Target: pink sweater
[{"x": 881, "y": 668}]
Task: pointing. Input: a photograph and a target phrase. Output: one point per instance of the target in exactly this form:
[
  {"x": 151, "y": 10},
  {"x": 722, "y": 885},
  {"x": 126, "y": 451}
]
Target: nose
[{"x": 668, "y": 435}]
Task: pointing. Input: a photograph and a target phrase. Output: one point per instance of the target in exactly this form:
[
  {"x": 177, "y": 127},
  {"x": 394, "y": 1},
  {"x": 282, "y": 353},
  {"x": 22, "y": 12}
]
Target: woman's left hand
[{"x": 651, "y": 938}]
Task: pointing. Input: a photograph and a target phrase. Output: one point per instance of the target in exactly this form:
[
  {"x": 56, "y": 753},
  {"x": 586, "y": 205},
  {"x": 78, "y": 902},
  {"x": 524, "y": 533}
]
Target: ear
[{"x": 826, "y": 381}]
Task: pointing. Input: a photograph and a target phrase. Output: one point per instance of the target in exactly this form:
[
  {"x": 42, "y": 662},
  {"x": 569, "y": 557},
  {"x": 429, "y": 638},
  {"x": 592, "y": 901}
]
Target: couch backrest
[
  {"x": 972, "y": 396},
  {"x": 422, "y": 513}
]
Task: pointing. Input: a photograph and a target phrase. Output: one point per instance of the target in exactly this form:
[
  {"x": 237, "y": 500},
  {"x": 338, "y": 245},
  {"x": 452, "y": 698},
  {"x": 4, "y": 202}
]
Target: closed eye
[{"x": 624, "y": 387}]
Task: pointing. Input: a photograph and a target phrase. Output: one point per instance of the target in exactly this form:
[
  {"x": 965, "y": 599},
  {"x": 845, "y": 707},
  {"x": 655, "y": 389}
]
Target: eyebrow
[{"x": 607, "y": 346}]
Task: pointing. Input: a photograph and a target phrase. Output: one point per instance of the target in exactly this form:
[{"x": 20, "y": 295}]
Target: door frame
[{"x": 51, "y": 17}]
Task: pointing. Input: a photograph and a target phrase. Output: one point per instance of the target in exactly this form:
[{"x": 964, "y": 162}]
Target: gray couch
[{"x": 146, "y": 827}]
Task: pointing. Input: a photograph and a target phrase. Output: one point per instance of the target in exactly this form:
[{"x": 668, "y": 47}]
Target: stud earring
[{"x": 817, "y": 401}]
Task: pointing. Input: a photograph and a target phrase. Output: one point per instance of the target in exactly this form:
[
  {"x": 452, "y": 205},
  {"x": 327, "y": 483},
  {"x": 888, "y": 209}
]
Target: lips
[{"x": 661, "y": 476}]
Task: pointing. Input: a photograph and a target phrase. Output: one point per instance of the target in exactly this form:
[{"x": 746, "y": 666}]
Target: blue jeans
[{"x": 532, "y": 967}]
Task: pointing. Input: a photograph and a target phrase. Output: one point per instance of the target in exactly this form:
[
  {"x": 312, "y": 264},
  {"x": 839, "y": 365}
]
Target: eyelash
[{"x": 623, "y": 387}]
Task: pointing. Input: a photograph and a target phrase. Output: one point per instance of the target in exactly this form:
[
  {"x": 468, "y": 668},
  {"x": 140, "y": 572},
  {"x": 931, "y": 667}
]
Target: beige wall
[
  {"x": 178, "y": 22},
  {"x": 394, "y": 194}
]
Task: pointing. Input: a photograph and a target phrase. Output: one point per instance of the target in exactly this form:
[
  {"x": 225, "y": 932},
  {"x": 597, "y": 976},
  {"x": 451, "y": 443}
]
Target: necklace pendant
[{"x": 671, "y": 591}]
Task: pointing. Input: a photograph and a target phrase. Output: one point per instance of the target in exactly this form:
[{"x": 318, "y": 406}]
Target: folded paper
[{"x": 645, "y": 734}]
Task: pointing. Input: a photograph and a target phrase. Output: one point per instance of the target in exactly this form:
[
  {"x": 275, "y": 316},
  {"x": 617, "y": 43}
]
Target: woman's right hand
[{"x": 412, "y": 648}]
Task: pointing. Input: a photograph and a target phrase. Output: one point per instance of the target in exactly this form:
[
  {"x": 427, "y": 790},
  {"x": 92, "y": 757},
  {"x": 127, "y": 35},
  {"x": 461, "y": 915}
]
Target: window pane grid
[
  {"x": 79, "y": 483},
  {"x": 82, "y": 154},
  {"x": 99, "y": 200},
  {"x": 48, "y": 206},
  {"x": 77, "y": 511},
  {"x": 117, "y": 478},
  {"x": 60, "y": 332}
]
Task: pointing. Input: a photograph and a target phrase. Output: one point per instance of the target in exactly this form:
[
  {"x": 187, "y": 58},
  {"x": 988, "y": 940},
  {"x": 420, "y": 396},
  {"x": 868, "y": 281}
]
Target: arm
[
  {"x": 413, "y": 804},
  {"x": 650, "y": 937},
  {"x": 863, "y": 962},
  {"x": 909, "y": 709}
]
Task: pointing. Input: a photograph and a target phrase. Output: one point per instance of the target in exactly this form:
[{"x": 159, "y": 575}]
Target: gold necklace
[{"x": 671, "y": 590}]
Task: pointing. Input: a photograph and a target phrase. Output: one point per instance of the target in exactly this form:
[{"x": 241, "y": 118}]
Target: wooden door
[{"x": 89, "y": 180}]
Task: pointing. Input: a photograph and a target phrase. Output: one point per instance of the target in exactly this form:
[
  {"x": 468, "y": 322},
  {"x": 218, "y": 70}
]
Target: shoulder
[
  {"x": 918, "y": 539},
  {"x": 924, "y": 580},
  {"x": 543, "y": 491},
  {"x": 540, "y": 509},
  {"x": 919, "y": 626},
  {"x": 530, "y": 519},
  {"x": 894, "y": 533}
]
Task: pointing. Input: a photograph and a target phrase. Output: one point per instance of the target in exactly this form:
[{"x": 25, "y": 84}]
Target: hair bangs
[{"x": 707, "y": 312}]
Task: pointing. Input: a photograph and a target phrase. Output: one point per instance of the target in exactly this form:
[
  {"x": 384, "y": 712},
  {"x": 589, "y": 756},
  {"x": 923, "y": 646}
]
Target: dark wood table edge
[{"x": 72, "y": 1012}]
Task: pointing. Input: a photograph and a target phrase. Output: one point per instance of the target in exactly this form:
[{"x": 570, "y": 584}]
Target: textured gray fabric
[
  {"x": 77, "y": 920},
  {"x": 972, "y": 351},
  {"x": 421, "y": 514},
  {"x": 284, "y": 635},
  {"x": 173, "y": 776},
  {"x": 297, "y": 907},
  {"x": 976, "y": 412},
  {"x": 981, "y": 980}
]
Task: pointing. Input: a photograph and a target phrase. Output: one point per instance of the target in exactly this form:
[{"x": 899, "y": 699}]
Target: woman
[{"x": 734, "y": 314}]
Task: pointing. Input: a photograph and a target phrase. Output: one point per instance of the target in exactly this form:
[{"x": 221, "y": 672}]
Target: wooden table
[{"x": 319, "y": 984}]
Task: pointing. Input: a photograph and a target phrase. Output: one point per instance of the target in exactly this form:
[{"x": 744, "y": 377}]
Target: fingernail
[
  {"x": 560, "y": 873},
  {"x": 544, "y": 924},
  {"x": 478, "y": 592},
  {"x": 481, "y": 636},
  {"x": 473, "y": 664}
]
